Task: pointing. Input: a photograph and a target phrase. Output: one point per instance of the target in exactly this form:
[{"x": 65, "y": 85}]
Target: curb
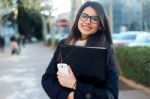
[{"x": 135, "y": 85}]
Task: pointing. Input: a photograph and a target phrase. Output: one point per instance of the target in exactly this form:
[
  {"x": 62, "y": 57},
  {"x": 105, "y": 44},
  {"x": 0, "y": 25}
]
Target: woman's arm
[
  {"x": 89, "y": 91},
  {"x": 50, "y": 82}
]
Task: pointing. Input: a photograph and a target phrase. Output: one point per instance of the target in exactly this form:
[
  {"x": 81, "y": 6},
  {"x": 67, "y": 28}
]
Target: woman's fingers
[{"x": 60, "y": 74}]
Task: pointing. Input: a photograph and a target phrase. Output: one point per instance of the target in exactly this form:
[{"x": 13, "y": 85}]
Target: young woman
[{"x": 90, "y": 29}]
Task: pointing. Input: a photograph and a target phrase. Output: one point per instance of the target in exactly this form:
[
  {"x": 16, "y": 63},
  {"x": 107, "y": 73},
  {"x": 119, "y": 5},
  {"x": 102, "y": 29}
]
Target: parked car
[
  {"x": 141, "y": 40},
  {"x": 125, "y": 38}
]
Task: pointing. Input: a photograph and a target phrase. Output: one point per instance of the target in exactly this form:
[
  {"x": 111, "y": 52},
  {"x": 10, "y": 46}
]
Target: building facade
[
  {"x": 132, "y": 14},
  {"x": 146, "y": 15}
]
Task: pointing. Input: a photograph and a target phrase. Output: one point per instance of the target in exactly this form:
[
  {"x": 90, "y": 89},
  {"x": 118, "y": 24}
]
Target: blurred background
[
  {"x": 51, "y": 20},
  {"x": 31, "y": 29}
]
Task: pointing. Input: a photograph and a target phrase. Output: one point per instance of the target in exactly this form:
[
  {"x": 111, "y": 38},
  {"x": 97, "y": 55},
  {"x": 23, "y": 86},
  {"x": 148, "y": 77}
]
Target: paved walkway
[{"x": 20, "y": 76}]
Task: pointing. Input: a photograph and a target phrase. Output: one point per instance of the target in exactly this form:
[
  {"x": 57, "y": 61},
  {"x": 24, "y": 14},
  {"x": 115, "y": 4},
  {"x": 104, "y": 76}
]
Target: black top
[{"x": 83, "y": 90}]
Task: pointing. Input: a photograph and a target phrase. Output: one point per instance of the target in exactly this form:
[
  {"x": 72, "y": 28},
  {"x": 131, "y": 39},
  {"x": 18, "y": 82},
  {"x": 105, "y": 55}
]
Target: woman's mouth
[{"x": 87, "y": 28}]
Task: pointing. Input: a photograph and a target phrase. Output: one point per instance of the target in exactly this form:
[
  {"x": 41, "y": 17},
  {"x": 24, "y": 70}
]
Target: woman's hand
[{"x": 67, "y": 80}]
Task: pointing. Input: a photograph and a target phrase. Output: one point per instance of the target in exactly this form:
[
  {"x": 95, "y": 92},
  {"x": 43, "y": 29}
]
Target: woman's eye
[
  {"x": 95, "y": 18},
  {"x": 84, "y": 16}
]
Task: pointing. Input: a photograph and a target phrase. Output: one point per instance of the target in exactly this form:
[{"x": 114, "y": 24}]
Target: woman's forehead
[{"x": 90, "y": 11}]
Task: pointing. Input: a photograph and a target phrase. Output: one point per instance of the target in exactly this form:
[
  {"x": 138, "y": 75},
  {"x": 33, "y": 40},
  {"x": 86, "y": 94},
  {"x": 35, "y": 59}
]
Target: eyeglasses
[{"x": 85, "y": 17}]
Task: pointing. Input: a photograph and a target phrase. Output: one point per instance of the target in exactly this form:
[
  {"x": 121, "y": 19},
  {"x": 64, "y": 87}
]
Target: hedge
[{"x": 135, "y": 63}]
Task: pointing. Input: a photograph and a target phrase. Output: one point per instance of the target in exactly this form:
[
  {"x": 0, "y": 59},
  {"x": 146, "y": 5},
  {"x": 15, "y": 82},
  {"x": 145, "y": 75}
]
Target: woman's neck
[
  {"x": 83, "y": 37},
  {"x": 81, "y": 42}
]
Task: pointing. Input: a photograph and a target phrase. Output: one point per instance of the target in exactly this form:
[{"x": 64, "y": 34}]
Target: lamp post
[
  {"x": 111, "y": 15},
  {"x": 72, "y": 13},
  {"x": 49, "y": 8}
]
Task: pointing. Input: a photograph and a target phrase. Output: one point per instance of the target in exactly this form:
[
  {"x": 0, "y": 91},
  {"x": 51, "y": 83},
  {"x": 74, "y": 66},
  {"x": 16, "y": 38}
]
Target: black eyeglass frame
[{"x": 92, "y": 18}]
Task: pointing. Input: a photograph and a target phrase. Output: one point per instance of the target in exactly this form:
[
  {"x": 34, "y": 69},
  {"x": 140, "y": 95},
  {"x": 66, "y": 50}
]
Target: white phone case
[{"x": 62, "y": 67}]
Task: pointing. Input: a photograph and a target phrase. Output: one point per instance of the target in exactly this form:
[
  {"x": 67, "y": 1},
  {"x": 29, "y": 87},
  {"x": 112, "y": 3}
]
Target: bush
[{"x": 135, "y": 63}]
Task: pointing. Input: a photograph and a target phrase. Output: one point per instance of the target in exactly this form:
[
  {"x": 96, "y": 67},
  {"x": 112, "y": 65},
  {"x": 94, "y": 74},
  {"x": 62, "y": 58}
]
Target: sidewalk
[{"x": 20, "y": 76}]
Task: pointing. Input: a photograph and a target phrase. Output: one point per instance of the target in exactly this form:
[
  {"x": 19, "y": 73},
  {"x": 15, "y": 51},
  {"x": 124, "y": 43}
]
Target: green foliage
[{"x": 135, "y": 63}]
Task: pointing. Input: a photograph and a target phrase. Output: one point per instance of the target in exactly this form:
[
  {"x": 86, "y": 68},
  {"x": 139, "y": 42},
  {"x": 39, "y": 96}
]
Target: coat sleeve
[
  {"x": 50, "y": 83},
  {"x": 110, "y": 91}
]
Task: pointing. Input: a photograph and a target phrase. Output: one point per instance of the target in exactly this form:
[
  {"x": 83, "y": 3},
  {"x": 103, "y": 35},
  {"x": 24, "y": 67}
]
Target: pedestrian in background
[
  {"x": 91, "y": 29},
  {"x": 2, "y": 44},
  {"x": 14, "y": 45}
]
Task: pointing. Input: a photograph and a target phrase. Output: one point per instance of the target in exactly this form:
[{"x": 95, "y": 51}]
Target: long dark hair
[{"x": 102, "y": 37}]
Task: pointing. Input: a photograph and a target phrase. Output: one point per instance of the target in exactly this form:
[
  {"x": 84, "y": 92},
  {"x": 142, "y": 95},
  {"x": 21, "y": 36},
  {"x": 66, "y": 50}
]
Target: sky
[{"x": 61, "y": 6}]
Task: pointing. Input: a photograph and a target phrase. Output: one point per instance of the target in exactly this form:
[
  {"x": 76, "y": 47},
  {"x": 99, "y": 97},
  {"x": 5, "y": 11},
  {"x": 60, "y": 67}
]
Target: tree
[{"x": 29, "y": 22}]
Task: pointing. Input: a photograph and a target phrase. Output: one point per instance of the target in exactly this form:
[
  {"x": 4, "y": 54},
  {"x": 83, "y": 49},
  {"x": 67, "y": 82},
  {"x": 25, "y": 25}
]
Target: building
[
  {"x": 132, "y": 14},
  {"x": 117, "y": 15},
  {"x": 146, "y": 15}
]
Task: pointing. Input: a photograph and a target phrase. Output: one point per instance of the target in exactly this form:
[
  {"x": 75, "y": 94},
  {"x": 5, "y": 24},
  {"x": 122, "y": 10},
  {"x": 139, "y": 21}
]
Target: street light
[{"x": 111, "y": 15}]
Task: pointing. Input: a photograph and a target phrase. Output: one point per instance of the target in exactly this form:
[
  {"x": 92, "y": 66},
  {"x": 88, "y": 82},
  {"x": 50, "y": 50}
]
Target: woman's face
[{"x": 88, "y": 22}]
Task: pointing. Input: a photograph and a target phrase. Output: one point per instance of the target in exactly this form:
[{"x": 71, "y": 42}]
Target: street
[{"x": 20, "y": 75}]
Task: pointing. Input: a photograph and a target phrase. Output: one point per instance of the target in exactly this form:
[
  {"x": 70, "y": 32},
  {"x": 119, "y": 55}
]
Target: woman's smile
[{"x": 86, "y": 27}]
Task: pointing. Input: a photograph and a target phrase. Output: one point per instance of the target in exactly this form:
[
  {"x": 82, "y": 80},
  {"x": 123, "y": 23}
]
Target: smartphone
[{"x": 62, "y": 67}]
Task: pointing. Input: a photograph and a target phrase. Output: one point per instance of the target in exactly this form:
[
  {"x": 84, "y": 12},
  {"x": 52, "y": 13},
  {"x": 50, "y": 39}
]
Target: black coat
[{"x": 83, "y": 90}]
